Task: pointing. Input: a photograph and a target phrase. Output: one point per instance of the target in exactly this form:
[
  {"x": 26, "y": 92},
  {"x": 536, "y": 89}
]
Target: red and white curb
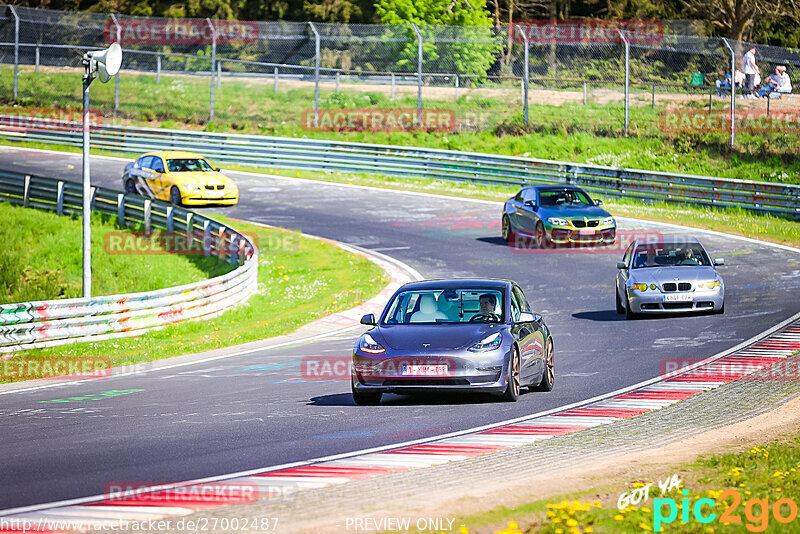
[{"x": 744, "y": 361}]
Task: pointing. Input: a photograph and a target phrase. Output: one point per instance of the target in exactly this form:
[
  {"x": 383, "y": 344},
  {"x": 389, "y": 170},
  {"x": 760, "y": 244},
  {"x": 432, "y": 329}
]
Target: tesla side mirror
[
  {"x": 621, "y": 265},
  {"x": 368, "y": 319},
  {"x": 598, "y": 202},
  {"x": 526, "y": 317},
  {"x": 719, "y": 261}
]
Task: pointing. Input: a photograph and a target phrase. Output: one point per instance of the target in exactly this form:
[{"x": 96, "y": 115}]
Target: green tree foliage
[{"x": 470, "y": 50}]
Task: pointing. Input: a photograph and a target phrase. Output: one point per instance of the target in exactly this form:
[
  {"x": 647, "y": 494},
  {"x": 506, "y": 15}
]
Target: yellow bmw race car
[{"x": 182, "y": 178}]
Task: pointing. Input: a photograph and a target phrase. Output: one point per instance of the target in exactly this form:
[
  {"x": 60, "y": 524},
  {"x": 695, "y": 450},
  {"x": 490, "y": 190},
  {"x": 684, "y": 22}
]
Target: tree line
[{"x": 773, "y": 22}]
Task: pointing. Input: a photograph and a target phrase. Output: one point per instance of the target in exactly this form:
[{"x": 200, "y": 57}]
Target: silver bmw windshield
[
  {"x": 668, "y": 255},
  {"x": 446, "y": 306}
]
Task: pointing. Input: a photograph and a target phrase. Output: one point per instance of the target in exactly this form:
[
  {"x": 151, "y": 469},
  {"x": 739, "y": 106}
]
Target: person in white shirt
[{"x": 750, "y": 69}]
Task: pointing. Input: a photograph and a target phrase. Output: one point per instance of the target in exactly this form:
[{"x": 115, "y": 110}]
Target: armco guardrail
[
  {"x": 311, "y": 154},
  {"x": 54, "y": 322}
]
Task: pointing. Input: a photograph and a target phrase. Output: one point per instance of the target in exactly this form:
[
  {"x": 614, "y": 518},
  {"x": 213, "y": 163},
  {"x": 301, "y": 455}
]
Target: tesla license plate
[
  {"x": 677, "y": 298},
  {"x": 586, "y": 231},
  {"x": 424, "y": 370}
]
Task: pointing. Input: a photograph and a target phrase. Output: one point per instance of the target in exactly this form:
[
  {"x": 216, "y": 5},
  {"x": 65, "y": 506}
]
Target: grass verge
[
  {"x": 299, "y": 280},
  {"x": 42, "y": 259},
  {"x": 757, "y": 484},
  {"x": 488, "y": 120}
]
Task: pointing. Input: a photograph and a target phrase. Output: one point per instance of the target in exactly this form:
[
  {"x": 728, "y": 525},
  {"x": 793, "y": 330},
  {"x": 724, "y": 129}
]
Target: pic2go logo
[{"x": 756, "y": 511}]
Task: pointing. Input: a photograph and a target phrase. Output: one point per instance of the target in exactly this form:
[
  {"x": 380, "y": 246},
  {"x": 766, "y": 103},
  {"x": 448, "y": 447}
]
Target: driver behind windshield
[{"x": 488, "y": 304}]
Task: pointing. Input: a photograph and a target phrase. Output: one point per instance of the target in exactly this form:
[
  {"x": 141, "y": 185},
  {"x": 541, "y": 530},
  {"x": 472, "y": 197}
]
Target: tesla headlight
[
  {"x": 369, "y": 345},
  {"x": 488, "y": 343},
  {"x": 557, "y": 221},
  {"x": 608, "y": 221}
]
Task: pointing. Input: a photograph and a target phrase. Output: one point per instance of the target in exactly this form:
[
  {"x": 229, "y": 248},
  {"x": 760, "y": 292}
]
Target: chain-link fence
[{"x": 275, "y": 76}]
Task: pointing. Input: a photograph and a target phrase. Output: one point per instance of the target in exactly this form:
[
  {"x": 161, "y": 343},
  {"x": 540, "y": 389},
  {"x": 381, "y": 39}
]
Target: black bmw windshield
[{"x": 447, "y": 306}]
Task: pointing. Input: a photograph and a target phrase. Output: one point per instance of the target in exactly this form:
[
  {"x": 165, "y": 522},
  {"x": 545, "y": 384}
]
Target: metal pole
[
  {"x": 316, "y": 73},
  {"x": 116, "y": 80},
  {"x": 219, "y": 74},
  {"x": 16, "y": 50},
  {"x": 275, "y": 87},
  {"x": 158, "y": 68},
  {"x": 337, "y": 82},
  {"x": 768, "y": 99},
  {"x": 627, "y": 79},
  {"x": 87, "y": 188},
  {"x": 584, "y": 93},
  {"x": 526, "y": 75},
  {"x": 653, "y": 99},
  {"x": 36, "y": 68},
  {"x": 733, "y": 91},
  {"x": 392, "y": 98},
  {"x": 456, "y": 87},
  {"x": 419, "y": 74},
  {"x": 213, "y": 64}
]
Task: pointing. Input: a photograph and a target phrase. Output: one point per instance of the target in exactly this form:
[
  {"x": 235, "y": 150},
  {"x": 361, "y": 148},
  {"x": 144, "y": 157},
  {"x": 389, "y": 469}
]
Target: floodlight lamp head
[{"x": 108, "y": 61}]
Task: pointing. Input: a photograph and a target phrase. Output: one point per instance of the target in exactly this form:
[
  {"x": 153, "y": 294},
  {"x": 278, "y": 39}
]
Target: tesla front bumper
[{"x": 444, "y": 370}]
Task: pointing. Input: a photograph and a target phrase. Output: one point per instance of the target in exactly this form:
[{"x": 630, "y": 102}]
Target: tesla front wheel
[
  {"x": 511, "y": 394},
  {"x": 364, "y": 398},
  {"x": 548, "y": 373}
]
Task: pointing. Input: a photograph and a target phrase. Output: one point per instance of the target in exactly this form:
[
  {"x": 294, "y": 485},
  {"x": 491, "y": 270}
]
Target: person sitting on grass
[
  {"x": 777, "y": 84},
  {"x": 723, "y": 84}
]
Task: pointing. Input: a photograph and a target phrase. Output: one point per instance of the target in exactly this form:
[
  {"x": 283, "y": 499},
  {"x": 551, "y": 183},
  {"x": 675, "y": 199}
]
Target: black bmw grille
[
  {"x": 684, "y": 286},
  {"x": 581, "y": 223},
  {"x": 670, "y": 286}
]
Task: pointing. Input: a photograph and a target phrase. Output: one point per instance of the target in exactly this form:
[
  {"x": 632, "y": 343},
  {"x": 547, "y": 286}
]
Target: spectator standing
[{"x": 750, "y": 70}]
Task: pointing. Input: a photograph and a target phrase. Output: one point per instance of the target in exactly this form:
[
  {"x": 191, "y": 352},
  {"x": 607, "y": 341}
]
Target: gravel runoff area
[{"x": 537, "y": 470}]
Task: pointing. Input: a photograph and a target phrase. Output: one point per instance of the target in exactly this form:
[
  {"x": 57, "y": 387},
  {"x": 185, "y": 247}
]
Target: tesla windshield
[
  {"x": 446, "y": 306},
  {"x": 669, "y": 254}
]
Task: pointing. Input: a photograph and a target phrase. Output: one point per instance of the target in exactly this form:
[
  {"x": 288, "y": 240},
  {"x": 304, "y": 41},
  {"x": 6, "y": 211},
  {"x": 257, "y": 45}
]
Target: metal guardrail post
[
  {"x": 221, "y": 243},
  {"x": 733, "y": 91},
  {"x": 158, "y": 68},
  {"x": 26, "y": 191},
  {"x": 627, "y": 78},
  {"x": 337, "y": 82},
  {"x": 316, "y": 73},
  {"x": 116, "y": 81},
  {"x": 60, "y": 198},
  {"x": 36, "y": 63},
  {"x": 170, "y": 219},
  {"x": 148, "y": 206},
  {"x": 213, "y": 62},
  {"x": 121, "y": 209},
  {"x": 206, "y": 236},
  {"x": 275, "y": 87},
  {"x": 419, "y": 73},
  {"x": 190, "y": 225},
  {"x": 526, "y": 74},
  {"x": 16, "y": 50}
]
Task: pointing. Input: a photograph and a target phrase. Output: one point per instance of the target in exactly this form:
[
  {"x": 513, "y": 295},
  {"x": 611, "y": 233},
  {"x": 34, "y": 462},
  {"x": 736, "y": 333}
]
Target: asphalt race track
[{"x": 254, "y": 411}]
